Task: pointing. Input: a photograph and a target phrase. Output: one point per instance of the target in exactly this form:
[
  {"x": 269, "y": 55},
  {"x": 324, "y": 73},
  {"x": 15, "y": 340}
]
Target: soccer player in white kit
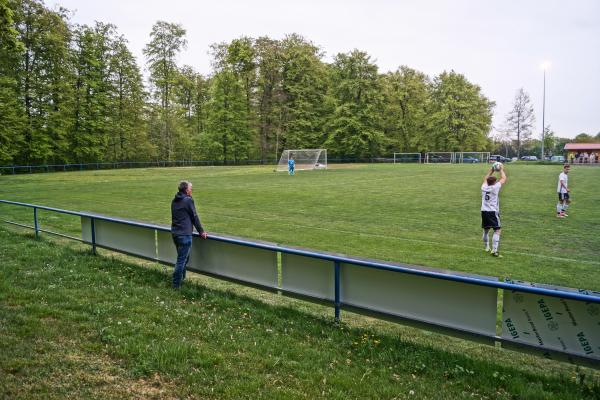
[
  {"x": 563, "y": 192},
  {"x": 490, "y": 209}
]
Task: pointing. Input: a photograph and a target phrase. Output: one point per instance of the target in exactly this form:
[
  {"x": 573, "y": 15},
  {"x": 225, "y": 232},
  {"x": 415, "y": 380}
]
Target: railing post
[
  {"x": 93, "y": 235},
  {"x": 35, "y": 223},
  {"x": 337, "y": 290}
]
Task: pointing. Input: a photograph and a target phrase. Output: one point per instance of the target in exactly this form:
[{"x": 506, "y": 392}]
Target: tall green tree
[
  {"x": 584, "y": 138},
  {"x": 460, "y": 115},
  {"x": 406, "y": 98},
  {"x": 11, "y": 109},
  {"x": 355, "y": 126},
  {"x": 232, "y": 111},
  {"x": 269, "y": 94},
  {"x": 128, "y": 138},
  {"x": 304, "y": 91},
  {"x": 227, "y": 121},
  {"x": 94, "y": 93},
  {"x": 167, "y": 40},
  {"x": 44, "y": 77}
]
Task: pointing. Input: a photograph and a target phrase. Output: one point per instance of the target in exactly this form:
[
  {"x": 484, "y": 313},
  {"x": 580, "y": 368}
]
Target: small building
[{"x": 583, "y": 153}]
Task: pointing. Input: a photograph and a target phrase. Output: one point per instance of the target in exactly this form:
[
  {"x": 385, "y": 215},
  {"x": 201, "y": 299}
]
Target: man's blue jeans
[{"x": 184, "y": 245}]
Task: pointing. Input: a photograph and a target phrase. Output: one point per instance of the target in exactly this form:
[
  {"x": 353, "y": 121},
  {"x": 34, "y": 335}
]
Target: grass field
[
  {"x": 77, "y": 326},
  {"x": 417, "y": 214}
]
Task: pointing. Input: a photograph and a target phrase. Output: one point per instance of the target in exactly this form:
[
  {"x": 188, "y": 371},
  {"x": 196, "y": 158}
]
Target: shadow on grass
[{"x": 225, "y": 339}]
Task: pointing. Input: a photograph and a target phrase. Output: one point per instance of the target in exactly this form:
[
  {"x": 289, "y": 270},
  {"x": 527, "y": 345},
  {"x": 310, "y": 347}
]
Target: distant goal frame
[{"x": 303, "y": 163}]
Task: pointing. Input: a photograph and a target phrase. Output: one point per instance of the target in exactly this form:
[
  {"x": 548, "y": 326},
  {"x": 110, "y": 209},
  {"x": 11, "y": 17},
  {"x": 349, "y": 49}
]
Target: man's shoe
[
  {"x": 488, "y": 249},
  {"x": 560, "y": 215},
  {"x": 496, "y": 254}
]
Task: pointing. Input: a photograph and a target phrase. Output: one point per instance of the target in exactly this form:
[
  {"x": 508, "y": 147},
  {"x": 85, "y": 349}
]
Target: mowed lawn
[{"x": 416, "y": 214}]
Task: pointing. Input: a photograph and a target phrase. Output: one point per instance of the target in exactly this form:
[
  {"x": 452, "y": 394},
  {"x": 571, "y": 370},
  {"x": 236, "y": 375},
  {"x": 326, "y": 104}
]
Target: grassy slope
[
  {"x": 427, "y": 214},
  {"x": 77, "y": 326}
]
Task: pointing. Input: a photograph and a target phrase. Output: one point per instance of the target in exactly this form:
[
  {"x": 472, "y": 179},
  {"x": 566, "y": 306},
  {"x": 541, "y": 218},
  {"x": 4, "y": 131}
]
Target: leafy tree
[
  {"x": 227, "y": 120},
  {"x": 406, "y": 101},
  {"x": 43, "y": 74},
  {"x": 461, "y": 116},
  {"x": 166, "y": 42},
  {"x": 584, "y": 138},
  {"x": 269, "y": 94},
  {"x": 241, "y": 57},
  {"x": 549, "y": 140},
  {"x": 128, "y": 139},
  {"x": 521, "y": 118},
  {"x": 94, "y": 94},
  {"x": 11, "y": 110},
  {"x": 559, "y": 145},
  {"x": 304, "y": 90},
  {"x": 355, "y": 127}
]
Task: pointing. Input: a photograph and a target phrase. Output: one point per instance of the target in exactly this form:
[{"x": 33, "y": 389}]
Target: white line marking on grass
[{"x": 431, "y": 242}]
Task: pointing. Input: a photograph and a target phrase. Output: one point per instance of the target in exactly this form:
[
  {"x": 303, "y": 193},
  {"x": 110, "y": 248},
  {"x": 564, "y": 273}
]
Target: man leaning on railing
[{"x": 183, "y": 220}]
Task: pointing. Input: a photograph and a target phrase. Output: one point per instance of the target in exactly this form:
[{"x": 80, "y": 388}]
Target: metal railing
[{"x": 452, "y": 303}]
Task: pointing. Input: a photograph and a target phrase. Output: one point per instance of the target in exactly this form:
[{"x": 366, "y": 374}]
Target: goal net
[
  {"x": 472, "y": 157},
  {"x": 305, "y": 159},
  {"x": 446, "y": 157},
  {"x": 407, "y": 158}
]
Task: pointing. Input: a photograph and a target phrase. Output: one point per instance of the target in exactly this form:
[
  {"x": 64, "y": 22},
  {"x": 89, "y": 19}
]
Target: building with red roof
[{"x": 583, "y": 153}]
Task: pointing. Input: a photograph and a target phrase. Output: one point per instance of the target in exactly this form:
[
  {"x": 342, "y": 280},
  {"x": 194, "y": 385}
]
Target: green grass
[
  {"x": 417, "y": 214},
  {"x": 74, "y": 325}
]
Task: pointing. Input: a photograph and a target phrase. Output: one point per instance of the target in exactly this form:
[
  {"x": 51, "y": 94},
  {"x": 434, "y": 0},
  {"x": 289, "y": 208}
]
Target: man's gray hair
[{"x": 183, "y": 186}]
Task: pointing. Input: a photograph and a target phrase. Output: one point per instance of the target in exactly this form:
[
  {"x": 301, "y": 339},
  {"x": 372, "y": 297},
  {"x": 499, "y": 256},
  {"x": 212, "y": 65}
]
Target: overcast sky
[{"x": 498, "y": 45}]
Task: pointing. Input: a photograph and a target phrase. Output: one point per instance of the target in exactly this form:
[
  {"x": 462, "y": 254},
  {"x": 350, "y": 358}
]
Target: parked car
[
  {"x": 436, "y": 158},
  {"x": 529, "y": 158},
  {"x": 560, "y": 159},
  {"x": 470, "y": 160},
  {"x": 498, "y": 157}
]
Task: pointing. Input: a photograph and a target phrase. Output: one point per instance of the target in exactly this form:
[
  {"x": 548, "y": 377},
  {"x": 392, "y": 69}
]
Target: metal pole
[
  {"x": 35, "y": 223},
  {"x": 93, "y": 236},
  {"x": 337, "y": 290},
  {"x": 544, "y": 114}
]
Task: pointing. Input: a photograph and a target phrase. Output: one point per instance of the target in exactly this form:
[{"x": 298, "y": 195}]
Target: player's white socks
[
  {"x": 559, "y": 208},
  {"x": 486, "y": 241},
  {"x": 495, "y": 242},
  {"x": 565, "y": 207}
]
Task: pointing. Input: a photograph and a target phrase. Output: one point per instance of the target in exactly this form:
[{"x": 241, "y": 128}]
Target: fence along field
[{"x": 512, "y": 318}]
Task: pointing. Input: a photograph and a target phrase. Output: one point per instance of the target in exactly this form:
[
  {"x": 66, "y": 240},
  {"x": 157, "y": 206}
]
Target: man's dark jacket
[{"x": 184, "y": 216}]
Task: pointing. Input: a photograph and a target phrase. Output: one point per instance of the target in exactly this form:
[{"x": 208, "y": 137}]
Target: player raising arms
[{"x": 490, "y": 208}]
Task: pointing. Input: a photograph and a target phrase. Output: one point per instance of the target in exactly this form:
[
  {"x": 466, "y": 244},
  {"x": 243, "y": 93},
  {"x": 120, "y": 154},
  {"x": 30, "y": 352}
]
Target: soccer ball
[{"x": 496, "y": 166}]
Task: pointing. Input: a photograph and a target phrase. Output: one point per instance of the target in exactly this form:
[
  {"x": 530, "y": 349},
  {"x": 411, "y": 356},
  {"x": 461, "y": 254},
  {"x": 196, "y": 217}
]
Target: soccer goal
[
  {"x": 407, "y": 158},
  {"x": 472, "y": 157},
  {"x": 442, "y": 157},
  {"x": 305, "y": 159}
]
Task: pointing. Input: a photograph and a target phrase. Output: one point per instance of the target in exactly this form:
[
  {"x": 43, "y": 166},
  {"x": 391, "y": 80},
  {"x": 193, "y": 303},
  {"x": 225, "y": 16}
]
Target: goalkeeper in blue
[{"x": 291, "y": 166}]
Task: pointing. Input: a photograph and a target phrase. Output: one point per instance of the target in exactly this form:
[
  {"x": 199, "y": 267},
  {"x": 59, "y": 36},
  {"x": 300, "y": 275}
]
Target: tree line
[{"x": 74, "y": 93}]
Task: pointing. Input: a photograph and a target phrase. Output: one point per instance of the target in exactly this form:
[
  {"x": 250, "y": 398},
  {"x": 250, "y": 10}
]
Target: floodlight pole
[{"x": 544, "y": 114}]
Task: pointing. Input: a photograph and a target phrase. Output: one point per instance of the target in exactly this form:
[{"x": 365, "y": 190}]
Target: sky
[{"x": 498, "y": 45}]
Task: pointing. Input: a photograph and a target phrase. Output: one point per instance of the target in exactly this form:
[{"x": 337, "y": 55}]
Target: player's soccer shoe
[
  {"x": 561, "y": 215},
  {"x": 496, "y": 254},
  {"x": 487, "y": 249}
]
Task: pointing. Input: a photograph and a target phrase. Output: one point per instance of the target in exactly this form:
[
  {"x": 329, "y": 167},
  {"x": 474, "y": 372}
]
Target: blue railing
[{"x": 405, "y": 293}]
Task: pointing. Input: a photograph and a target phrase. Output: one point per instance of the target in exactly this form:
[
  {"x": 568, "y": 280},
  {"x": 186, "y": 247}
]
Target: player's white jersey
[
  {"x": 489, "y": 197},
  {"x": 565, "y": 178}
]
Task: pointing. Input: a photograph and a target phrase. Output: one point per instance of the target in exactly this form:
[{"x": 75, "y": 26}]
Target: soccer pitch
[{"x": 416, "y": 214}]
